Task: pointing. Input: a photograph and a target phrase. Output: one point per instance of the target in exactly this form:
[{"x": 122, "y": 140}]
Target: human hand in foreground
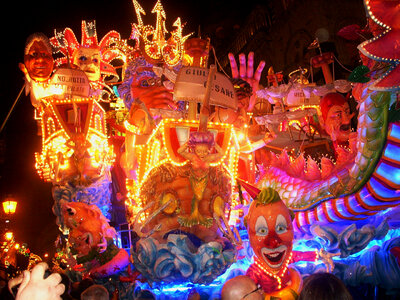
[
  {"x": 246, "y": 72},
  {"x": 33, "y": 285}
]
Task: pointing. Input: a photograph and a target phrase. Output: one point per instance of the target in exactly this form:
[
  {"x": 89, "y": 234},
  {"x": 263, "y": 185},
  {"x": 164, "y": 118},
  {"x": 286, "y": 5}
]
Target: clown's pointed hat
[{"x": 252, "y": 190}]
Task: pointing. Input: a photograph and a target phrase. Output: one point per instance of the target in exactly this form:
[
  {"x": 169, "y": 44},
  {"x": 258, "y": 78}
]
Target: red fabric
[
  {"x": 267, "y": 283},
  {"x": 270, "y": 284},
  {"x": 350, "y": 32},
  {"x": 386, "y": 11},
  {"x": 396, "y": 253},
  {"x": 304, "y": 256}
]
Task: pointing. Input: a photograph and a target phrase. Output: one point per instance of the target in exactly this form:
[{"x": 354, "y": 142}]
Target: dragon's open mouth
[{"x": 345, "y": 127}]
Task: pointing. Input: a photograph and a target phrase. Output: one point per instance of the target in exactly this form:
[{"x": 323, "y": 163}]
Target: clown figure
[
  {"x": 88, "y": 60},
  {"x": 270, "y": 229},
  {"x": 91, "y": 56}
]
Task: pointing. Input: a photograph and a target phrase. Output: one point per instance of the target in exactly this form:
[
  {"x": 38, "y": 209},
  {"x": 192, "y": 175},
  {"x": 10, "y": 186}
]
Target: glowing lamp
[
  {"x": 9, "y": 235},
  {"x": 9, "y": 206}
]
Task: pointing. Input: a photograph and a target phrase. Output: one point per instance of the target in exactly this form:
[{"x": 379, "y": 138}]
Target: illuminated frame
[{"x": 158, "y": 151}]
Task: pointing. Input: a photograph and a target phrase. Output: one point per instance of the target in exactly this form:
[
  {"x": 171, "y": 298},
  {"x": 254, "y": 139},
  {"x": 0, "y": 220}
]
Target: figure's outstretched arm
[
  {"x": 183, "y": 151},
  {"x": 246, "y": 72}
]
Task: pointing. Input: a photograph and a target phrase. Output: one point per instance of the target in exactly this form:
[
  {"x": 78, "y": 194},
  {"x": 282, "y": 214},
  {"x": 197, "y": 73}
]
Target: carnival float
[{"x": 224, "y": 183}]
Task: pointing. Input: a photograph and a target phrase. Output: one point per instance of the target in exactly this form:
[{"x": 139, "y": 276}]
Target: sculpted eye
[
  {"x": 281, "y": 225},
  {"x": 261, "y": 226},
  {"x": 144, "y": 83},
  {"x": 83, "y": 58}
]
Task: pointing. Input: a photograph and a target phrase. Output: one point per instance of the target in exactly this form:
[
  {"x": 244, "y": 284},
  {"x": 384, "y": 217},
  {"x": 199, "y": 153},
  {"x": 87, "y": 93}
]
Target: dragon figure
[{"x": 365, "y": 180}]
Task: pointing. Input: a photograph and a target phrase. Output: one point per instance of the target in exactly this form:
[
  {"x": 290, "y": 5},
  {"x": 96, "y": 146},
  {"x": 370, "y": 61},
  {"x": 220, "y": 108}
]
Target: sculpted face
[
  {"x": 201, "y": 150},
  {"x": 88, "y": 60},
  {"x": 270, "y": 234},
  {"x": 82, "y": 242},
  {"x": 144, "y": 79},
  {"x": 337, "y": 123},
  {"x": 39, "y": 61}
]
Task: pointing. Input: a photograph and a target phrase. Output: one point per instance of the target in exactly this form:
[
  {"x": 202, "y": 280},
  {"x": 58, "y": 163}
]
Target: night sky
[{"x": 34, "y": 222}]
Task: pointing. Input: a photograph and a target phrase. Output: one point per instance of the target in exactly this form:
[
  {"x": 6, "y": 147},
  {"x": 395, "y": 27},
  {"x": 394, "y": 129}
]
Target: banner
[
  {"x": 71, "y": 83},
  {"x": 190, "y": 85}
]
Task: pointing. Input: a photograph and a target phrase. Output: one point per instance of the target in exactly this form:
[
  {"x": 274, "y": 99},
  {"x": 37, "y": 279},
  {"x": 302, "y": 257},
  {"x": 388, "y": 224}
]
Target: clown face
[
  {"x": 337, "y": 123},
  {"x": 38, "y": 61},
  {"x": 88, "y": 60},
  {"x": 270, "y": 234}
]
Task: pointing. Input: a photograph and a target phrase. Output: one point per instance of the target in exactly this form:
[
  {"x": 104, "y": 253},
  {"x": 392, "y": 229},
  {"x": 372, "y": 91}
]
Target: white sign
[
  {"x": 295, "y": 97},
  {"x": 71, "y": 82},
  {"x": 190, "y": 85}
]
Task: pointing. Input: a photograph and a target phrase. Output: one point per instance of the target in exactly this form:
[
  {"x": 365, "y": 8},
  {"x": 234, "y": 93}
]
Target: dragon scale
[{"x": 358, "y": 190}]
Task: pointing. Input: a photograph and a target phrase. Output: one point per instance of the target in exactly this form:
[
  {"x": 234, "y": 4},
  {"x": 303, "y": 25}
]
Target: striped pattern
[{"x": 381, "y": 192}]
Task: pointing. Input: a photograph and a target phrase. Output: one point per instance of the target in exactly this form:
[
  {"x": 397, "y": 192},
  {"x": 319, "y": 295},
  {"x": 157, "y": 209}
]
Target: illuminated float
[
  {"x": 76, "y": 156},
  {"x": 185, "y": 204},
  {"x": 182, "y": 166},
  {"x": 75, "y": 151},
  {"x": 345, "y": 205},
  {"x": 368, "y": 183},
  {"x": 180, "y": 191}
]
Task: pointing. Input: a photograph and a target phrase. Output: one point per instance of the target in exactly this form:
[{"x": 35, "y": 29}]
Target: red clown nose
[{"x": 273, "y": 240}]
